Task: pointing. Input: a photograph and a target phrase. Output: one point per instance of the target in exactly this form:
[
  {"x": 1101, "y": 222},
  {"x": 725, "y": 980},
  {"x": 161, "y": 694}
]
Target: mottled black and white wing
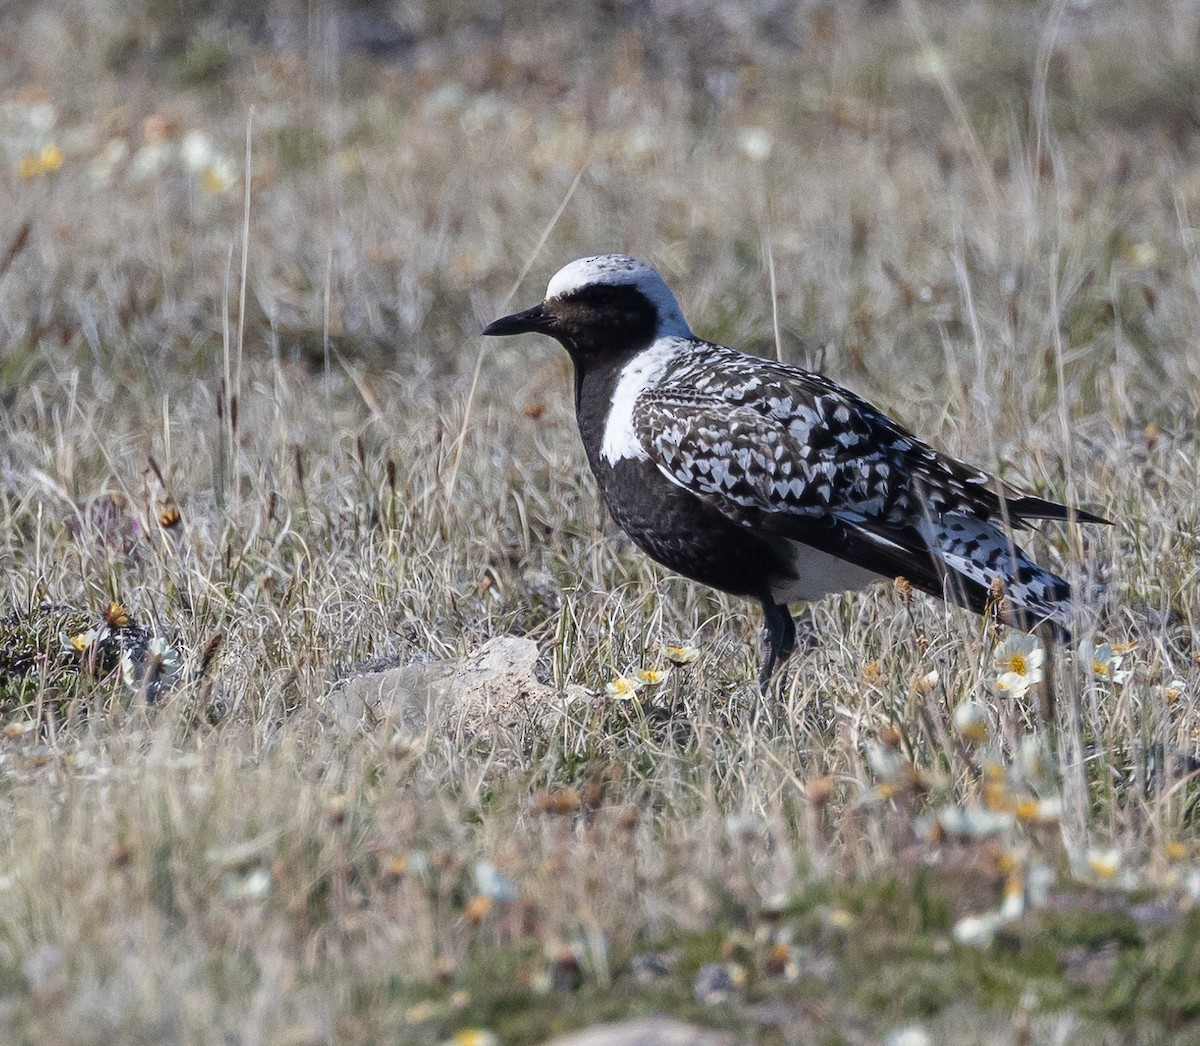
[{"x": 783, "y": 451}]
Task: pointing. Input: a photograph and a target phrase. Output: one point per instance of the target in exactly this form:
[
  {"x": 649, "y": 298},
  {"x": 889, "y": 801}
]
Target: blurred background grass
[{"x": 977, "y": 215}]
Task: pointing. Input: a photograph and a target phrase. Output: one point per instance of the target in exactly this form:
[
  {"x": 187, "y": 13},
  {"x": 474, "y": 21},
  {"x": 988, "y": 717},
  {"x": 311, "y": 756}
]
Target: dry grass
[{"x": 979, "y": 217}]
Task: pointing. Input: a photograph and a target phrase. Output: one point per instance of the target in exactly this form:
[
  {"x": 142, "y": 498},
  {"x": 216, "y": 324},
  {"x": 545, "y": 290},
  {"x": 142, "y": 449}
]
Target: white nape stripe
[
  {"x": 619, "y": 270},
  {"x": 620, "y": 440}
]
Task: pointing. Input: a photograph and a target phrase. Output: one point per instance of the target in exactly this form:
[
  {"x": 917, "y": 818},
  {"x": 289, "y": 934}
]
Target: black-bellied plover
[{"x": 772, "y": 482}]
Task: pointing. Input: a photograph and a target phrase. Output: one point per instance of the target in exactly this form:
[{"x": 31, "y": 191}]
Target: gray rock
[
  {"x": 493, "y": 688},
  {"x": 645, "y": 1031},
  {"x": 718, "y": 982}
]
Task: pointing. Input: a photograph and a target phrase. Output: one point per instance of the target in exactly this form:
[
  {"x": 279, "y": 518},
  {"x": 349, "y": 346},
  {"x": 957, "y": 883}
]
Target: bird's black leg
[{"x": 778, "y": 639}]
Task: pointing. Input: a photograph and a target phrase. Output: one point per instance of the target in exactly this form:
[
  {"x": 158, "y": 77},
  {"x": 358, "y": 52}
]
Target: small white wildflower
[
  {"x": 924, "y": 683},
  {"x": 218, "y": 177},
  {"x": 473, "y": 1037},
  {"x": 197, "y": 151},
  {"x": 972, "y": 722},
  {"x": 682, "y": 655},
  {"x": 1038, "y": 880},
  {"x": 970, "y": 822},
  {"x": 623, "y": 687},
  {"x": 1106, "y": 663},
  {"x": 1103, "y": 862},
  {"x": 1013, "y": 905},
  {"x": 745, "y": 827},
  {"x": 1019, "y": 659},
  {"x": 886, "y": 763},
  {"x": 977, "y": 931},
  {"x": 909, "y": 1035},
  {"x": 490, "y": 882},
  {"x": 151, "y": 158},
  {"x": 756, "y": 143},
  {"x": 128, "y": 670},
  {"x": 155, "y": 669},
  {"x": 1173, "y": 690},
  {"x": 81, "y": 642},
  {"x": 1011, "y": 684},
  {"x": 1047, "y": 811},
  {"x": 252, "y": 886}
]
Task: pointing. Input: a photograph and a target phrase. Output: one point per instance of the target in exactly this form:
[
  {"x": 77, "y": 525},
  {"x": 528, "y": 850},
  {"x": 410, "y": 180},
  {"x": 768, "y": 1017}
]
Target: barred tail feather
[{"x": 984, "y": 553}]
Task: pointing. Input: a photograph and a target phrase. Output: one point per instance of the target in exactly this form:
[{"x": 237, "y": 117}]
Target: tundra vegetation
[{"x": 251, "y": 449}]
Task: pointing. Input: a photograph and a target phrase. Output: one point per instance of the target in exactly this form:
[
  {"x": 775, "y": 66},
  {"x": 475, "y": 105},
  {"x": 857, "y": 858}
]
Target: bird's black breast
[
  {"x": 683, "y": 533},
  {"x": 671, "y": 525}
]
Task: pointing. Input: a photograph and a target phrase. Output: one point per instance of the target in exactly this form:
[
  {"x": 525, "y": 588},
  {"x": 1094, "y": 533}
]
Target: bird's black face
[{"x": 593, "y": 323}]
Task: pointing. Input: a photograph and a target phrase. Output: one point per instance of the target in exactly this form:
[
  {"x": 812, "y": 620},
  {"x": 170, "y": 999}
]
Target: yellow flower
[
  {"x": 116, "y": 615},
  {"x": 217, "y": 178},
  {"x": 35, "y": 164},
  {"x": 474, "y": 1037},
  {"x": 652, "y": 676},
  {"x": 996, "y": 795}
]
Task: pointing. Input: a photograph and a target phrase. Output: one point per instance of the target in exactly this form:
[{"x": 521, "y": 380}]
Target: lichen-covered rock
[{"x": 493, "y": 688}]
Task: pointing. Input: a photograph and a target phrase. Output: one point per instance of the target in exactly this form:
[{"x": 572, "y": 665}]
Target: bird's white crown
[{"x": 620, "y": 270}]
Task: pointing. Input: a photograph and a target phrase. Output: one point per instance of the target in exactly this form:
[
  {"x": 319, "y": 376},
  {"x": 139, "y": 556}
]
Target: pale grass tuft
[{"x": 341, "y": 476}]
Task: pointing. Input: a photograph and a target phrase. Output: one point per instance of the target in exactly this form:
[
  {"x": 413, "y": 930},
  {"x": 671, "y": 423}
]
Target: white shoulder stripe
[{"x": 620, "y": 440}]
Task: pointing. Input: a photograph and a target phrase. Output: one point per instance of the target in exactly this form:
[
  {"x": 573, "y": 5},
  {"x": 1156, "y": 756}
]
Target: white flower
[
  {"x": 252, "y": 886},
  {"x": 623, "y": 687},
  {"x": 971, "y": 822},
  {"x": 218, "y": 177},
  {"x": 977, "y": 931},
  {"x": 492, "y": 883},
  {"x": 1106, "y": 663},
  {"x": 885, "y": 762},
  {"x": 473, "y": 1037},
  {"x": 151, "y": 158},
  {"x": 154, "y": 669},
  {"x": 755, "y": 143},
  {"x": 1011, "y": 684},
  {"x": 197, "y": 150},
  {"x": 80, "y": 641},
  {"x": 909, "y": 1035},
  {"x": 652, "y": 676},
  {"x": 682, "y": 655},
  {"x": 924, "y": 683},
  {"x": 971, "y": 721},
  {"x": 1103, "y": 862},
  {"x": 1173, "y": 690},
  {"x": 1019, "y": 659}
]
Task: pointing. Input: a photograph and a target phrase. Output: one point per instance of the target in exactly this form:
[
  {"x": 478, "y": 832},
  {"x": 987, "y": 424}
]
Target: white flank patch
[
  {"x": 619, "y": 270},
  {"x": 818, "y": 574},
  {"x": 620, "y": 440}
]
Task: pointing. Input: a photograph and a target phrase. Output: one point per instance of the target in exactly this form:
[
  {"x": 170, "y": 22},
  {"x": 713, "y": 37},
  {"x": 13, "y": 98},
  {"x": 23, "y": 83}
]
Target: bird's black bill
[{"x": 536, "y": 320}]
